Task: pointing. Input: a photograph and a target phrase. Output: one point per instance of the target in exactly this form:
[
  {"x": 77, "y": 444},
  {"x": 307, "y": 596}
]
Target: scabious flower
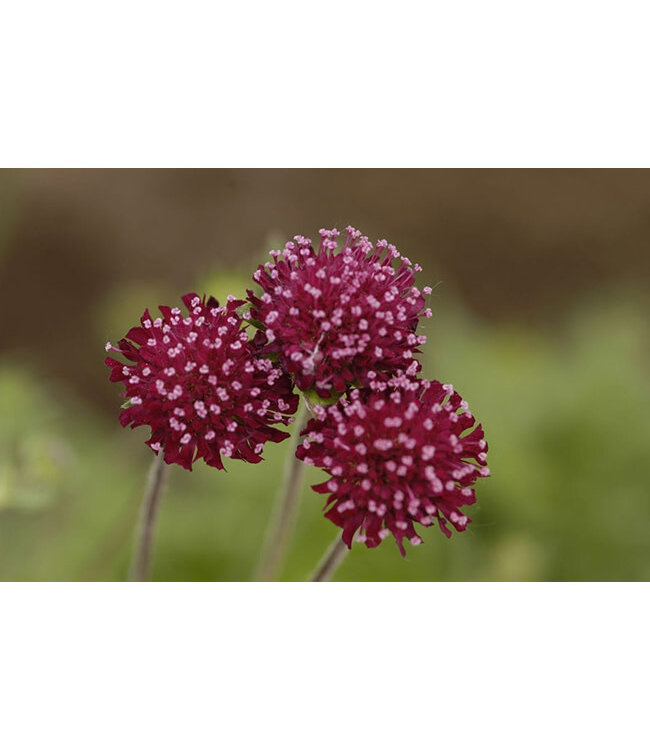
[
  {"x": 399, "y": 454},
  {"x": 196, "y": 383},
  {"x": 337, "y": 317}
]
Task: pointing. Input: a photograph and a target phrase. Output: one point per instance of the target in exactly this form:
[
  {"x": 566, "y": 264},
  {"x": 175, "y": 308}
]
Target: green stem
[
  {"x": 330, "y": 561},
  {"x": 149, "y": 510},
  {"x": 284, "y": 516}
]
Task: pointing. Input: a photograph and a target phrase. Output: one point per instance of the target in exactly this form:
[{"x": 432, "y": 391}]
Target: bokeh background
[{"x": 541, "y": 321}]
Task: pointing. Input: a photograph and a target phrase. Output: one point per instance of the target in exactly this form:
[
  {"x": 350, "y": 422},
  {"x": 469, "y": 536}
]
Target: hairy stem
[
  {"x": 330, "y": 561},
  {"x": 284, "y": 515},
  {"x": 148, "y": 512}
]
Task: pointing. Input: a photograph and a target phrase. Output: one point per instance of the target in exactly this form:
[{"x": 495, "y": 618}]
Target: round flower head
[
  {"x": 336, "y": 317},
  {"x": 195, "y": 382},
  {"x": 402, "y": 453}
]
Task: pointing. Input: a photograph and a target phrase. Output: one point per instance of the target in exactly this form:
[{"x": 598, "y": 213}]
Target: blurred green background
[{"x": 541, "y": 321}]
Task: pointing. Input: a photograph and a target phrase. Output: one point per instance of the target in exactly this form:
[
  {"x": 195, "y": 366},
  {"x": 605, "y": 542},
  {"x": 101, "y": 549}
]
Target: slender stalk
[
  {"x": 330, "y": 561},
  {"x": 148, "y": 512},
  {"x": 284, "y": 515}
]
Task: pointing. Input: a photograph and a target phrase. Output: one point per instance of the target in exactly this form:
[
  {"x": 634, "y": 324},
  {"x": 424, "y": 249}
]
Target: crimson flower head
[
  {"x": 195, "y": 381},
  {"x": 336, "y": 317},
  {"x": 399, "y": 454}
]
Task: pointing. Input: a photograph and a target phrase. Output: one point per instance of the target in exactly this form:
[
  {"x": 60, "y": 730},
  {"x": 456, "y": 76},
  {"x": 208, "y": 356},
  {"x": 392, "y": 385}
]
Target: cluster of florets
[
  {"x": 402, "y": 453},
  {"x": 337, "y": 318},
  {"x": 194, "y": 380},
  {"x": 399, "y": 450}
]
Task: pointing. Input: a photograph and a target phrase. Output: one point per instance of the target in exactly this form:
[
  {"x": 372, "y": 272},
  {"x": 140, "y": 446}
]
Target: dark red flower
[
  {"x": 398, "y": 454},
  {"x": 336, "y": 317},
  {"x": 195, "y": 381}
]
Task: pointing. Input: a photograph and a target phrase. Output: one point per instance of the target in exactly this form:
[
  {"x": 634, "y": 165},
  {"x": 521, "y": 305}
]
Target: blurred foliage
[
  {"x": 35, "y": 459},
  {"x": 567, "y": 417},
  {"x": 220, "y": 284}
]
